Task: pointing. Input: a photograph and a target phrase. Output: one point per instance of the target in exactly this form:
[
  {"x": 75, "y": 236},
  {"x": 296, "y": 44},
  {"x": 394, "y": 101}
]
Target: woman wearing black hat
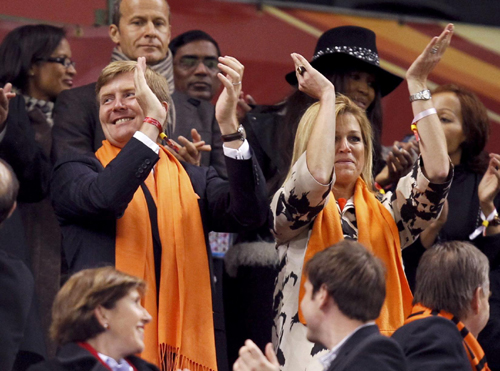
[{"x": 348, "y": 57}]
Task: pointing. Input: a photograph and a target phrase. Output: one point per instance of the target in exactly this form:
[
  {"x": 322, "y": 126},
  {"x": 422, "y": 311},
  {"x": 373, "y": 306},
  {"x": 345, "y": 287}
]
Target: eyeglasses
[
  {"x": 189, "y": 62},
  {"x": 65, "y": 61}
]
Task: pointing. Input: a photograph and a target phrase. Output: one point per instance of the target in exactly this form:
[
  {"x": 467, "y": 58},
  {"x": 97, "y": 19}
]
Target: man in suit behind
[
  {"x": 141, "y": 28},
  {"x": 344, "y": 292},
  {"x": 450, "y": 309}
]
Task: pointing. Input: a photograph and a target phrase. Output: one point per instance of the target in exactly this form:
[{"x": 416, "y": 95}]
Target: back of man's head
[
  {"x": 189, "y": 37},
  {"x": 9, "y": 187},
  {"x": 448, "y": 275},
  {"x": 353, "y": 276}
]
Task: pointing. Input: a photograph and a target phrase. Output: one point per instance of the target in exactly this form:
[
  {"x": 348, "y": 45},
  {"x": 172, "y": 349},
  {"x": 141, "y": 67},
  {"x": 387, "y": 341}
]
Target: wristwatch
[
  {"x": 421, "y": 95},
  {"x": 239, "y": 135}
]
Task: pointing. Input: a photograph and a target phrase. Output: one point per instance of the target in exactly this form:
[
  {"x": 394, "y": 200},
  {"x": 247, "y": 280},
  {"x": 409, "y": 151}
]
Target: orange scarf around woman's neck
[
  {"x": 378, "y": 232},
  {"x": 473, "y": 349},
  {"x": 181, "y": 334}
]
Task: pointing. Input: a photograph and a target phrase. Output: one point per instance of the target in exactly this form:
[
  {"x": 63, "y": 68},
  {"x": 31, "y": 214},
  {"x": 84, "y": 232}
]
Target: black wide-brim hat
[{"x": 345, "y": 46}]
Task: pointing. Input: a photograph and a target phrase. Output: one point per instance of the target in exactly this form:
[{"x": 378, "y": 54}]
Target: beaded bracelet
[{"x": 419, "y": 117}]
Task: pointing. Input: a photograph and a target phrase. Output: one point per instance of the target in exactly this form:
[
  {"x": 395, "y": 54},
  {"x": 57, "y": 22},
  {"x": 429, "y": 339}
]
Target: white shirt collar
[{"x": 121, "y": 365}]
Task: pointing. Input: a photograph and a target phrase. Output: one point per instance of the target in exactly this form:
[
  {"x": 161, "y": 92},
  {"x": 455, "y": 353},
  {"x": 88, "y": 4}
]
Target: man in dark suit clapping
[{"x": 344, "y": 292}]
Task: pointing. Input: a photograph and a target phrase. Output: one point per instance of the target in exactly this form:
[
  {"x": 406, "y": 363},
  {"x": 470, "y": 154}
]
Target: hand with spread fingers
[
  {"x": 6, "y": 95},
  {"x": 189, "y": 151},
  {"x": 489, "y": 187},
  {"x": 311, "y": 82},
  {"x": 231, "y": 76},
  {"x": 149, "y": 103},
  {"x": 252, "y": 359},
  {"x": 430, "y": 57}
]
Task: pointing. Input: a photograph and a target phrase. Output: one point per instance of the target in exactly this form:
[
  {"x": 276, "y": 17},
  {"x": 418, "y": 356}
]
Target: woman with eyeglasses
[{"x": 35, "y": 66}]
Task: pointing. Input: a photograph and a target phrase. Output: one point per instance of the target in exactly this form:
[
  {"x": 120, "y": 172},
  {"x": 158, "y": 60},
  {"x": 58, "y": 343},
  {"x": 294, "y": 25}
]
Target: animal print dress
[{"x": 414, "y": 205}]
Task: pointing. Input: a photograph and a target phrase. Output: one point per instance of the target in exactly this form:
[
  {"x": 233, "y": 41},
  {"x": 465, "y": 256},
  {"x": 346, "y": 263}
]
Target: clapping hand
[
  {"x": 430, "y": 57},
  {"x": 490, "y": 185},
  {"x": 225, "y": 108},
  {"x": 399, "y": 161},
  {"x": 6, "y": 95},
  {"x": 150, "y": 104},
  {"x": 189, "y": 151},
  {"x": 310, "y": 81},
  {"x": 251, "y": 358}
]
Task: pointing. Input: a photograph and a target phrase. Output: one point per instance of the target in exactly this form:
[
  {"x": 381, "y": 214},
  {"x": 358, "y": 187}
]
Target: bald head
[{"x": 9, "y": 186}]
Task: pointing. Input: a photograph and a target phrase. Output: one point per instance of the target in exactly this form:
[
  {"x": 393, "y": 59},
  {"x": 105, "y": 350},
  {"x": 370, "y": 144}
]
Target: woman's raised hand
[
  {"x": 150, "y": 104},
  {"x": 489, "y": 187},
  {"x": 6, "y": 95},
  {"x": 311, "y": 82},
  {"x": 231, "y": 76},
  {"x": 430, "y": 57}
]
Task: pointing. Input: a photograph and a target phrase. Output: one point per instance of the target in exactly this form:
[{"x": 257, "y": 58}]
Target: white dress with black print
[{"x": 414, "y": 205}]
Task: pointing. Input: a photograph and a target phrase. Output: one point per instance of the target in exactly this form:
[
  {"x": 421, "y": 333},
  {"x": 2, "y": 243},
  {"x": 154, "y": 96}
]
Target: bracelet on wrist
[
  {"x": 156, "y": 123},
  {"x": 418, "y": 117},
  {"x": 492, "y": 220}
]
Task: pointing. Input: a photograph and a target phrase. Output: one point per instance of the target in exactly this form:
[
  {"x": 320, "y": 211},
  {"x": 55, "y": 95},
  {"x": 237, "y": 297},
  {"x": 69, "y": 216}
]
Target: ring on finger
[
  {"x": 301, "y": 70},
  {"x": 237, "y": 83},
  {"x": 434, "y": 49}
]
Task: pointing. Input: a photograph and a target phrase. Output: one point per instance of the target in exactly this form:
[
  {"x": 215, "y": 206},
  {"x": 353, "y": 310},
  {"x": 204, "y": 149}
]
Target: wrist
[
  {"x": 229, "y": 127},
  {"x": 415, "y": 86},
  {"x": 487, "y": 207},
  {"x": 328, "y": 96}
]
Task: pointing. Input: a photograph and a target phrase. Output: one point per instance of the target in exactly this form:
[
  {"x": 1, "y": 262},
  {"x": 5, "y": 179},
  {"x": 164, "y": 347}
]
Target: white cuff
[
  {"x": 139, "y": 135},
  {"x": 242, "y": 153}
]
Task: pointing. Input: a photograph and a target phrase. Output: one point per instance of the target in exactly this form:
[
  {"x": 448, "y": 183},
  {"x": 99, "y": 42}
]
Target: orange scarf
[
  {"x": 378, "y": 232},
  {"x": 181, "y": 334},
  {"x": 473, "y": 349}
]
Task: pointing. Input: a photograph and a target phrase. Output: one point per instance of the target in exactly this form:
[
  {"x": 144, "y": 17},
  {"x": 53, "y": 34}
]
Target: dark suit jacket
[
  {"x": 432, "y": 344},
  {"x": 26, "y": 157},
  {"x": 368, "y": 350},
  {"x": 77, "y": 128},
  {"x": 16, "y": 297},
  {"x": 88, "y": 199},
  {"x": 72, "y": 357}
]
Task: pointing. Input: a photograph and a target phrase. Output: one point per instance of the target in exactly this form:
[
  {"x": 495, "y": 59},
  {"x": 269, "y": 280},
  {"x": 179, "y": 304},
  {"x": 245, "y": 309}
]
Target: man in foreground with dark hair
[
  {"x": 17, "y": 287},
  {"x": 344, "y": 292},
  {"x": 450, "y": 310}
]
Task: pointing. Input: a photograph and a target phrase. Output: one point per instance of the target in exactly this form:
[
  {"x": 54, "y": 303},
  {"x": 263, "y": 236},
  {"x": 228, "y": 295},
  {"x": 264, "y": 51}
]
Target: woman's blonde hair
[
  {"x": 73, "y": 317},
  {"x": 343, "y": 105}
]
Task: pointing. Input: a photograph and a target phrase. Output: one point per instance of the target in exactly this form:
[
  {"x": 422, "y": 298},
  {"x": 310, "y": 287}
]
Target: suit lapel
[{"x": 351, "y": 344}]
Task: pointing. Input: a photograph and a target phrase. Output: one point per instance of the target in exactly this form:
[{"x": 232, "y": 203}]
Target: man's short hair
[
  {"x": 73, "y": 317},
  {"x": 189, "y": 37},
  {"x": 353, "y": 276},
  {"x": 9, "y": 187},
  {"x": 117, "y": 15},
  {"x": 448, "y": 274}
]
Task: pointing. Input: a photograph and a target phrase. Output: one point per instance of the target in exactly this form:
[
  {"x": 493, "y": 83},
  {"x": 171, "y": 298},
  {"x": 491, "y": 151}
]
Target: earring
[
  {"x": 106, "y": 326},
  {"x": 31, "y": 73}
]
